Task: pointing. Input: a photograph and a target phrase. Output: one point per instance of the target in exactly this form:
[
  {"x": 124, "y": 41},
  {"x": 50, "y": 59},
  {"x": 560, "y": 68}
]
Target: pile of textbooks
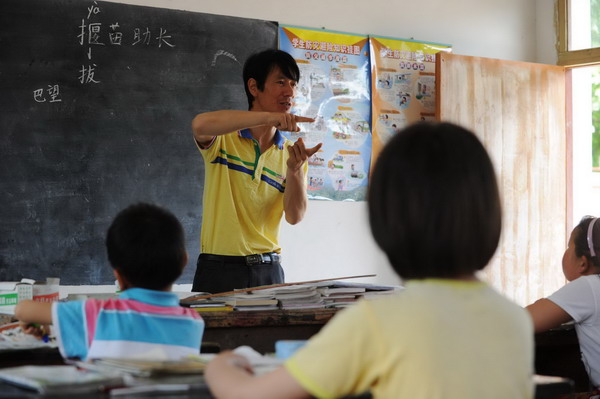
[
  {"x": 241, "y": 302},
  {"x": 119, "y": 376},
  {"x": 326, "y": 294},
  {"x": 55, "y": 380},
  {"x": 341, "y": 294}
]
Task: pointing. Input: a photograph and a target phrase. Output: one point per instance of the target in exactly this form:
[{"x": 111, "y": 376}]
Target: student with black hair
[
  {"x": 146, "y": 249},
  {"x": 434, "y": 209},
  {"x": 253, "y": 176},
  {"x": 579, "y": 300}
]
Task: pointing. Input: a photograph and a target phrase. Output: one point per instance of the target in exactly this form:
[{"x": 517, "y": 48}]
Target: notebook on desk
[
  {"x": 56, "y": 380},
  {"x": 148, "y": 368}
]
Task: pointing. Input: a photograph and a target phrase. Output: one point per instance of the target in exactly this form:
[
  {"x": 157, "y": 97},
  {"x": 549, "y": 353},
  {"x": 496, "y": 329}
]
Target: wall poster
[
  {"x": 333, "y": 89},
  {"x": 402, "y": 85}
]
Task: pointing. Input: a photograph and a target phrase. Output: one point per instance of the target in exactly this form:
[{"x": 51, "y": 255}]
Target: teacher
[{"x": 253, "y": 176}]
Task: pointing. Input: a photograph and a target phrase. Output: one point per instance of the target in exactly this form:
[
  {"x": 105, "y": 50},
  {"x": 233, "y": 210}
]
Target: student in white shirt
[{"x": 579, "y": 300}]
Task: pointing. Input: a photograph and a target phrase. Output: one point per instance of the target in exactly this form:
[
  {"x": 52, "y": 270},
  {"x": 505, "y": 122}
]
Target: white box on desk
[
  {"x": 11, "y": 292},
  {"x": 47, "y": 291}
]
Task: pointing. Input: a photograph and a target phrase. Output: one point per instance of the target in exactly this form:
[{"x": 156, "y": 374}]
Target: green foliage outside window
[{"x": 595, "y": 31}]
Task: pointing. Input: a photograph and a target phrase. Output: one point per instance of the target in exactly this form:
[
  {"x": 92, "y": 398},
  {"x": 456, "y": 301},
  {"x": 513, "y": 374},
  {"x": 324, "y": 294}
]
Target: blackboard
[{"x": 96, "y": 102}]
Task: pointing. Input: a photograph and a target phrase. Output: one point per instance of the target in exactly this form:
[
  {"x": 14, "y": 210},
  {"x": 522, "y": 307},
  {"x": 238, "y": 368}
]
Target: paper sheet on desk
[
  {"x": 149, "y": 368},
  {"x": 13, "y": 338},
  {"x": 261, "y": 364}
]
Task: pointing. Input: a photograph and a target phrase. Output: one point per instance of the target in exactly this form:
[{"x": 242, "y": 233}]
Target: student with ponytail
[{"x": 579, "y": 300}]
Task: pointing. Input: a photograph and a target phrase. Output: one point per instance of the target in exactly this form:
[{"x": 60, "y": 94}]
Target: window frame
[{"x": 574, "y": 58}]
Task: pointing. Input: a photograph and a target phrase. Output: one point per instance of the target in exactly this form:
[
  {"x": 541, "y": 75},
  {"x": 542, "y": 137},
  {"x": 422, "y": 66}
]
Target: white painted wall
[
  {"x": 504, "y": 29},
  {"x": 334, "y": 239},
  {"x": 545, "y": 48}
]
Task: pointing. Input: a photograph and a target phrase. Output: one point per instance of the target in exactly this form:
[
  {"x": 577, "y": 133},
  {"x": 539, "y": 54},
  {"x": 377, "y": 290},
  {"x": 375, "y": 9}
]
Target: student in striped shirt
[{"x": 146, "y": 249}]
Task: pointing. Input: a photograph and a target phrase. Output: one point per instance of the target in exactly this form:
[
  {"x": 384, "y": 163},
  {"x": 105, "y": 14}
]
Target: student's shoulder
[
  {"x": 593, "y": 280},
  {"x": 506, "y": 310},
  {"x": 88, "y": 307},
  {"x": 496, "y": 298},
  {"x": 395, "y": 303},
  {"x": 580, "y": 287}
]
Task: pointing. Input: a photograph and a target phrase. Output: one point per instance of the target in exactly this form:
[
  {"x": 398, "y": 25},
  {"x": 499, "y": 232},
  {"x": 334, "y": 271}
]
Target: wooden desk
[
  {"x": 224, "y": 330},
  {"x": 261, "y": 329},
  {"x": 557, "y": 353},
  {"x": 23, "y": 357}
]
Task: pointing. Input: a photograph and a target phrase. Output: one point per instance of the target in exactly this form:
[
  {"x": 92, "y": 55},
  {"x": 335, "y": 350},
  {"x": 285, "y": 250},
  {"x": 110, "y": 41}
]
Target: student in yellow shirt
[{"x": 434, "y": 209}]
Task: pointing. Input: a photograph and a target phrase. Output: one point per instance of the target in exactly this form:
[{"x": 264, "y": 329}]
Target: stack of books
[
  {"x": 300, "y": 296},
  {"x": 119, "y": 376},
  {"x": 147, "y": 368},
  {"x": 60, "y": 380},
  {"x": 340, "y": 297},
  {"x": 148, "y": 378},
  {"x": 339, "y": 294},
  {"x": 240, "y": 302},
  {"x": 209, "y": 305}
]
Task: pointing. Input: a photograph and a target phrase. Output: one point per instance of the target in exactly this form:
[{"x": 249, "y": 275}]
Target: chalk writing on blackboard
[
  {"x": 51, "y": 94},
  {"x": 220, "y": 53},
  {"x": 73, "y": 154},
  {"x": 91, "y": 34}
]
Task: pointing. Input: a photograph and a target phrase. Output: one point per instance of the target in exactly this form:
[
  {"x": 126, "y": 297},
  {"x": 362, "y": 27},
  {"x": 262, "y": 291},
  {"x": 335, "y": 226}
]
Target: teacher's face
[{"x": 277, "y": 95}]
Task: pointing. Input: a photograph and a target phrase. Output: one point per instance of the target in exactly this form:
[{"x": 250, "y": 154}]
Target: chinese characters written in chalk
[
  {"x": 51, "y": 94},
  {"x": 92, "y": 34}
]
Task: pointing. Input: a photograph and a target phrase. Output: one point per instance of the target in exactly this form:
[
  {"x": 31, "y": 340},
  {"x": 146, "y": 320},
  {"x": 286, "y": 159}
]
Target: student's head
[
  {"x": 581, "y": 255},
  {"x": 269, "y": 65},
  {"x": 434, "y": 206},
  {"x": 146, "y": 245}
]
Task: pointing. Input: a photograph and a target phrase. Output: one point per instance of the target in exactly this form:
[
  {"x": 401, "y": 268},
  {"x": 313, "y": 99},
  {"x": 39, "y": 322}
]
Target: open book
[
  {"x": 56, "y": 380},
  {"x": 148, "y": 368}
]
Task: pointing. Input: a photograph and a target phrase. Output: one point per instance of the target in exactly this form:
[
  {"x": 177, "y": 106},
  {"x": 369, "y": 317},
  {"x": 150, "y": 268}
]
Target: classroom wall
[{"x": 334, "y": 239}]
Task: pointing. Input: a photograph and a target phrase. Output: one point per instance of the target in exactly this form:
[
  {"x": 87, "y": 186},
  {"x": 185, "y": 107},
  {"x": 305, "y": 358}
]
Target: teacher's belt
[{"x": 250, "y": 260}]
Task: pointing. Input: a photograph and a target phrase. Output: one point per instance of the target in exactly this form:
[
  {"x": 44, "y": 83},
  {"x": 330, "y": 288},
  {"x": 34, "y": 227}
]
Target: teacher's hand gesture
[
  {"x": 288, "y": 122},
  {"x": 299, "y": 154}
]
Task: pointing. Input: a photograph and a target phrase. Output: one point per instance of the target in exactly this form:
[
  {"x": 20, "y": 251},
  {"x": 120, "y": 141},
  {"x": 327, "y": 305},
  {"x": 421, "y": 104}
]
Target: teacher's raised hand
[{"x": 299, "y": 154}]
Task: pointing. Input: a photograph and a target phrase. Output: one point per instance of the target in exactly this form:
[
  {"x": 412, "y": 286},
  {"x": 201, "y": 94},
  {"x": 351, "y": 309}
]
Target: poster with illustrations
[
  {"x": 402, "y": 85},
  {"x": 333, "y": 89}
]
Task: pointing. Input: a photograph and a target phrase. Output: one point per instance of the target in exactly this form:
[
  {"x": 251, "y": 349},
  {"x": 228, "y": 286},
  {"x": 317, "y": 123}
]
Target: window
[{"x": 579, "y": 50}]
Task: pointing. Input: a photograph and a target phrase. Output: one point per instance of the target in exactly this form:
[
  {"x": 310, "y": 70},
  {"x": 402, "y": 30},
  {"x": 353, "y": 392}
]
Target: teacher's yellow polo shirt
[{"x": 243, "y": 194}]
